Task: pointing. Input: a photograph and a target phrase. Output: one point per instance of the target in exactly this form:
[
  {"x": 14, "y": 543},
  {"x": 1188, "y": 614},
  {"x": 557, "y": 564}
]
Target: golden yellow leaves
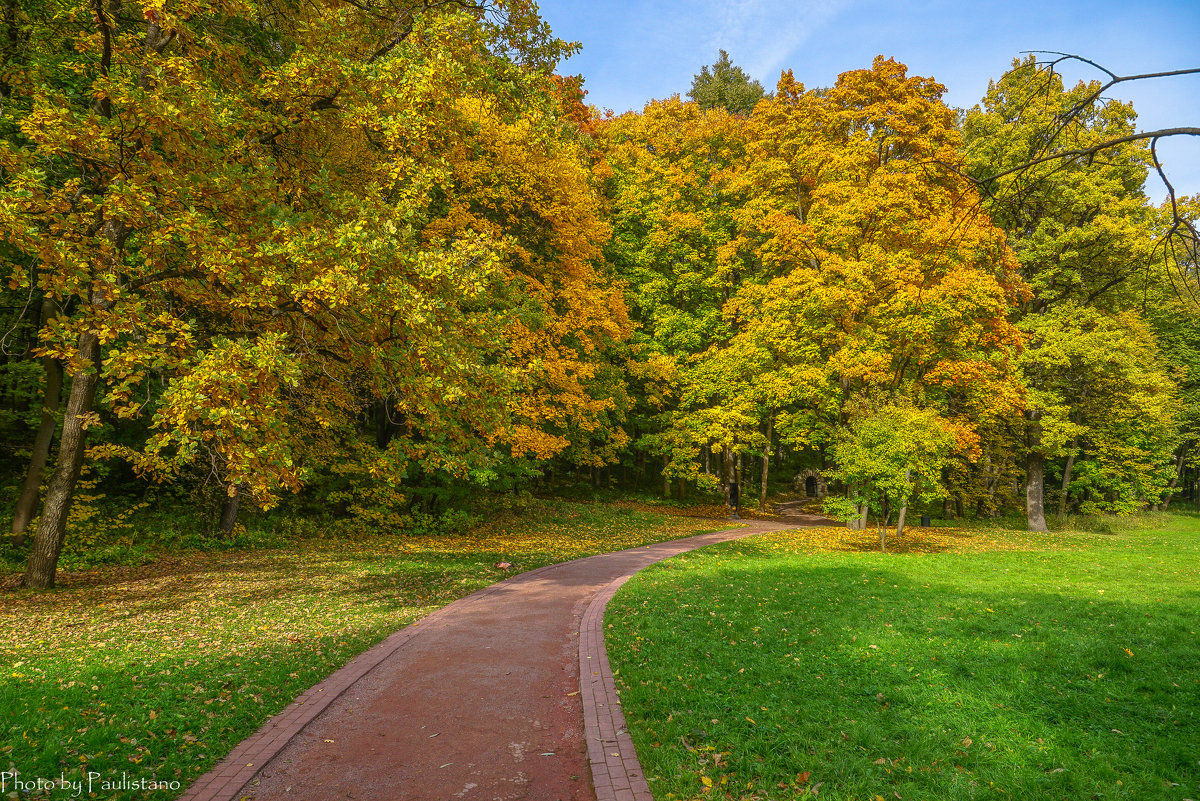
[{"x": 915, "y": 541}]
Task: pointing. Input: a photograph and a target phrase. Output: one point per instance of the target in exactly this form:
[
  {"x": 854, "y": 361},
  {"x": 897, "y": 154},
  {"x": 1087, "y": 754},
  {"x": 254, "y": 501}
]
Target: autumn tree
[
  {"x": 672, "y": 216},
  {"x": 1080, "y": 226},
  {"x": 877, "y": 270},
  {"x": 262, "y": 206},
  {"x": 892, "y": 454}
]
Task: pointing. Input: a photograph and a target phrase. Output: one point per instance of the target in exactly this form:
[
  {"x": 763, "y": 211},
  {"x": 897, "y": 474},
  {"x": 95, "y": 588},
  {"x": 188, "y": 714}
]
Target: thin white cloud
[{"x": 761, "y": 35}]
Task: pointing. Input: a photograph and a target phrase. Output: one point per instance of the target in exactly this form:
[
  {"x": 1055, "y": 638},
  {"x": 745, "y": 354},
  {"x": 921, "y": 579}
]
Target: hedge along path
[{"x": 486, "y": 698}]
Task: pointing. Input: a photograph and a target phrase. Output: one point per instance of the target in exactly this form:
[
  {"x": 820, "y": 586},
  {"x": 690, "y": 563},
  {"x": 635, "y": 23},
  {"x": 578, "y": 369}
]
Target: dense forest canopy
[{"x": 374, "y": 256}]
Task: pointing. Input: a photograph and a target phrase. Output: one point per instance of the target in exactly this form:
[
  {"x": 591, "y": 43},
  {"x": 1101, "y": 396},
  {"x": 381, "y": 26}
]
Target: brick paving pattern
[{"x": 519, "y": 709}]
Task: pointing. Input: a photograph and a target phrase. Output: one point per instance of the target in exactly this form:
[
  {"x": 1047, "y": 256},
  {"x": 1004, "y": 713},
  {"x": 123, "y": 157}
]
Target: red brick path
[{"x": 488, "y": 698}]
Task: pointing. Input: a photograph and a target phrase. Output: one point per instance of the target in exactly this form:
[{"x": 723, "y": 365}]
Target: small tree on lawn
[{"x": 890, "y": 454}]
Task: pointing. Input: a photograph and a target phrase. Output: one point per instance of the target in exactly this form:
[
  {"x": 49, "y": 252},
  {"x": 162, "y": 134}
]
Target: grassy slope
[
  {"x": 159, "y": 671},
  {"x": 983, "y": 665}
]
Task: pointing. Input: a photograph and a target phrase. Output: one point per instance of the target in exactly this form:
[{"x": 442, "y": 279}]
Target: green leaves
[
  {"x": 725, "y": 86},
  {"x": 893, "y": 451},
  {"x": 1103, "y": 396}
]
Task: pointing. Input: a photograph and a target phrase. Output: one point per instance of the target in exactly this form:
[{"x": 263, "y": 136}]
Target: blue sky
[{"x": 635, "y": 51}]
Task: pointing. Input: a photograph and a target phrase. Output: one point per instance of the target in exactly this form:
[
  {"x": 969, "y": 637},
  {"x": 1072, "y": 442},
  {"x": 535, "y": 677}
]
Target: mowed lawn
[
  {"x": 157, "y": 672},
  {"x": 972, "y": 665}
]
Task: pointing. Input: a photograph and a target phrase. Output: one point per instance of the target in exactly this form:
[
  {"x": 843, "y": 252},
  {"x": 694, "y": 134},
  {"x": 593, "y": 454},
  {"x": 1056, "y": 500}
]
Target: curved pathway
[{"x": 484, "y": 700}]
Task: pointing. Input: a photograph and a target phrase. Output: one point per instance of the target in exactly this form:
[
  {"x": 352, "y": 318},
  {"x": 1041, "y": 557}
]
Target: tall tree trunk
[
  {"x": 992, "y": 482},
  {"x": 666, "y": 478},
  {"x": 28, "y": 501},
  {"x": 1035, "y": 481},
  {"x": 385, "y": 426},
  {"x": 766, "y": 461},
  {"x": 881, "y": 522},
  {"x": 1035, "y": 476},
  {"x": 727, "y": 475},
  {"x": 1162, "y": 507},
  {"x": 903, "y": 507},
  {"x": 52, "y": 528},
  {"x": 1066, "y": 481},
  {"x": 229, "y": 511}
]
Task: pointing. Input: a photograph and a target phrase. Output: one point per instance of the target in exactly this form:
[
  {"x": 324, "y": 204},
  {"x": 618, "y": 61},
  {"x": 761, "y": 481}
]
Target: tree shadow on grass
[{"x": 884, "y": 681}]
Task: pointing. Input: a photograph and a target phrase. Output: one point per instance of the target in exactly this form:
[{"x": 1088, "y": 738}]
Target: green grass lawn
[
  {"x": 158, "y": 671},
  {"x": 974, "y": 665}
]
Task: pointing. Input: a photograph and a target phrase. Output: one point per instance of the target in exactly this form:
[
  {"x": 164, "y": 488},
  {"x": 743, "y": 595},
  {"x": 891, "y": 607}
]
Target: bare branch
[{"x": 1094, "y": 149}]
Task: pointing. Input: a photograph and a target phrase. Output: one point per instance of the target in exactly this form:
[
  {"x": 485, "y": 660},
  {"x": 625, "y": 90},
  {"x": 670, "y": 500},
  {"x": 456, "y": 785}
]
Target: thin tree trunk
[
  {"x": 52, "y": 528},
  {"x": 385, "y": 427},
  {"x": 812, "y": 259},
  {"x": 903, "y": 507},
  {"x": 881, "y": 522},
  {"x": 727, "y": 475},
  {"x": 1035, "y": 477},
  {"x": 229, "y": 511},
  {"x": 766, "y": 462},
  {"x": 993, "y": 480},
  {"x": 28, "y": 501},
  {"x": 1066, "y": 481},
  {"x": 666, "y": 478}
]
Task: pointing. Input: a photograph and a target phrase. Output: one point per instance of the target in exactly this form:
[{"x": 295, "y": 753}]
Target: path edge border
[
  {"x": 617, "y": 773},
  {"x": 616, "y": 770}
]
